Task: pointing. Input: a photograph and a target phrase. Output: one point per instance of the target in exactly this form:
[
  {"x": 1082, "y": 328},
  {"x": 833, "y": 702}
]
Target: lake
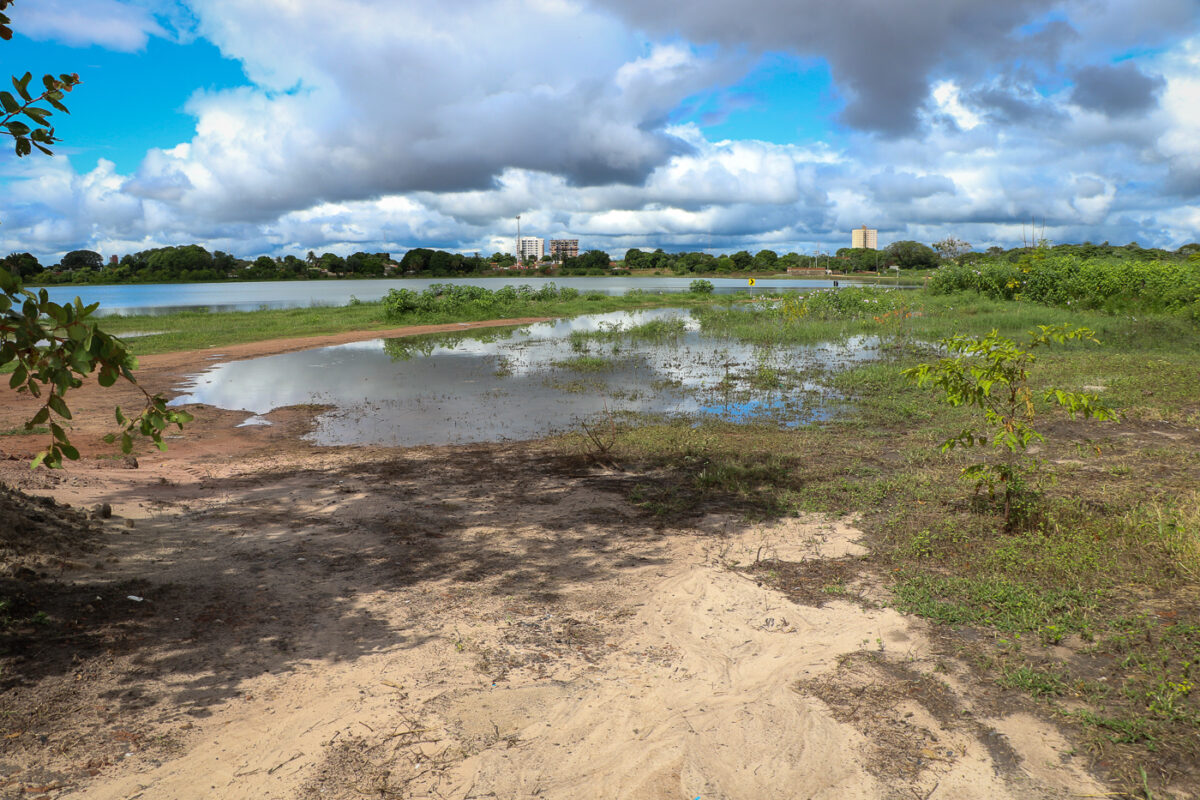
[
  {"x": 532, "y": 381},
  {"x": 164, "y": 298}
]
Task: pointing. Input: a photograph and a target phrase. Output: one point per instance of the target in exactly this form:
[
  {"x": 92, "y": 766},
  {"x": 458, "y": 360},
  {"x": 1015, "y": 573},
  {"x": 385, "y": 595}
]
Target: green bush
[
  {"x": 1104, "y": 284},
  {"x": 459, "y": 299},
  {"x": 700, "y": 286}
]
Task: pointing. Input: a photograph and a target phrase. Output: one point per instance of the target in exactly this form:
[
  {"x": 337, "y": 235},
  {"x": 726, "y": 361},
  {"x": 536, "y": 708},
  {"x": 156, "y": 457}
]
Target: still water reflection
[{"x": 522, "y": 383}]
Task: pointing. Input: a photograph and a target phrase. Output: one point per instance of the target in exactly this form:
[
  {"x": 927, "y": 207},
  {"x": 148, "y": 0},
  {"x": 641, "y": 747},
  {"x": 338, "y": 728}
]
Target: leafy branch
[
  {"x": 52, "y": 349},
  {"x": 41, "y": 134}
]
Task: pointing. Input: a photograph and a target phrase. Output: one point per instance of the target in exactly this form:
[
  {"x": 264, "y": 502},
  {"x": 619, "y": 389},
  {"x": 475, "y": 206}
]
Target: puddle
[{"x": 524, "y": 383}]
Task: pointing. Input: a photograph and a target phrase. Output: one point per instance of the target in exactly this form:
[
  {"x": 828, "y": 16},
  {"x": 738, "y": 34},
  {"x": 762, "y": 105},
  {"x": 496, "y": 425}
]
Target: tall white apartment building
[
  {"x": 531, "y": 247},
  {"x": 865, "y": 237}
]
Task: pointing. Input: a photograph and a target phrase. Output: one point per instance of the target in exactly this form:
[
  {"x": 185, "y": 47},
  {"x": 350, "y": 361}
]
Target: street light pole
[{"x": 518, "y": 250}]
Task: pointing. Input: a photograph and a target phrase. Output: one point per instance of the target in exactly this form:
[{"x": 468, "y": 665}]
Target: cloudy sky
[{"x": 277, "y": 126}]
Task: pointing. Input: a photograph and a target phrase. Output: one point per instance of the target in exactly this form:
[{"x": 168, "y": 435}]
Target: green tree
[
  {"x": 765, "y": 260},
  {"x": 741, "y": 260},
  {"x": 82, "y": 259},
  {"x": 332, "y": 262},
  {"x": 908, "y": 254},
  {"x": 859, "y": 259},
  {"x": 23, "y": 265},
  {"x": 52, "y": 347},
  {"x": 595, "y": 259},
  {"x": 789, "y": 261}
]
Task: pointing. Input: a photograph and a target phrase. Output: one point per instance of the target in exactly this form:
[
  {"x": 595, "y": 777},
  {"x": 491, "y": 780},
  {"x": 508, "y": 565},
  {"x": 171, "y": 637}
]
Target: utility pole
[{"x": 517, "y": 252}]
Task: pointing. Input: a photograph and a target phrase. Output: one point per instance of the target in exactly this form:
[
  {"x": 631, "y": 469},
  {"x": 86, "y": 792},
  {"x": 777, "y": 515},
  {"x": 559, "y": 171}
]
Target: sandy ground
[{"x": 266, "y": 619}]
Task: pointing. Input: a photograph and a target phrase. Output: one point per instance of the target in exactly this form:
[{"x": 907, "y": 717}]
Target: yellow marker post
[{"x": 750, "y": 281}]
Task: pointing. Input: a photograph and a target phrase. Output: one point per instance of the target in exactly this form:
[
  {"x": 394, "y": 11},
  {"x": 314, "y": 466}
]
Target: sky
[{"x": 283, "y": 126}]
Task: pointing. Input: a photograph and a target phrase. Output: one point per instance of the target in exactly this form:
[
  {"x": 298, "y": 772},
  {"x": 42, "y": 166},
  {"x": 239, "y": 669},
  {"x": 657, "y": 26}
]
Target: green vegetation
[
  {"x": 50, "y": 349},
  {"x": 1114, "y": 285},
  {"x": 991, "y": 373},
  {"x": 452, "y": 303},
  {"x": 654, "y": 330},
  {"x": 1088, "y": 605}
]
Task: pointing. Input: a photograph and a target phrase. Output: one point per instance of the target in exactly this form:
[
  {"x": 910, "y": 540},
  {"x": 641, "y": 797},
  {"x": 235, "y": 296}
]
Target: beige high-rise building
[{"x": 865, "y": 237}]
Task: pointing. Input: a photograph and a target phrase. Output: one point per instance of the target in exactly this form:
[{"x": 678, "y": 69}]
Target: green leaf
[
  {"x": 38, "y": 115},
  {"x": 38, "y": 459},
  {"x": 11, "y": 106},
  {"x": 70, "y": 452},
  {"x": 41, "y": 416},
  {"x": 126, "y": 443},
  {"x": 21, "y": 86},
  {"x": 59, "y": 405}
]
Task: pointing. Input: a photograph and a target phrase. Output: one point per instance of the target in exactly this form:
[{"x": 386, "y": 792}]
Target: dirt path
[{"x": 265, "y": 619}]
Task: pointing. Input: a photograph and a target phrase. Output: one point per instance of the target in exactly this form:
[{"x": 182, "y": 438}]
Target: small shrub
[
  {"x": 700, "y": 286},
  {"x": 991, "y": 373}
]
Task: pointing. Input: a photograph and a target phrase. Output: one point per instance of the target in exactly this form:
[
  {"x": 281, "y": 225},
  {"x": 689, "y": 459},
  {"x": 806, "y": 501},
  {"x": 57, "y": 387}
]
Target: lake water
[
  {"x": 524, "y": 383},
  {"x": 163, "y": 298}
]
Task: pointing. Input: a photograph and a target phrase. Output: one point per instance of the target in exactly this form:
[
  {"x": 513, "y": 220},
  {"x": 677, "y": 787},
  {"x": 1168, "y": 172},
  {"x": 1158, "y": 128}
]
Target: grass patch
[
  {"x": 36, "y": 430},
  {"x": 997, "y": 602},
  {"x": 1039, "y": 683}
]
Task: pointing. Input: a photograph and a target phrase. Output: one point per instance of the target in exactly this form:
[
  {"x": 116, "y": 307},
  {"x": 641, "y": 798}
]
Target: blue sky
[
  {"x": 127, "y": 102},
  {"x": 273, "y": 126},
  {"x": 783, "y": 99}
]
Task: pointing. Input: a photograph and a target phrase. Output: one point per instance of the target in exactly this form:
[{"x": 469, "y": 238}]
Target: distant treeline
[{"x": 194, "y": 263}]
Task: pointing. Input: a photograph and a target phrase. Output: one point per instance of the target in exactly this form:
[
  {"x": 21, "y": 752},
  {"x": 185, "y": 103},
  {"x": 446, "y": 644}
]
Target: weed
[{"x": 1037, "y": 682}]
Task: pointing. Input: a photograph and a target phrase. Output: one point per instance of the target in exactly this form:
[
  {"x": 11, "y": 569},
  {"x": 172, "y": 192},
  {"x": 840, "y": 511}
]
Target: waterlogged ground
[{"x": 528, "y": 382}]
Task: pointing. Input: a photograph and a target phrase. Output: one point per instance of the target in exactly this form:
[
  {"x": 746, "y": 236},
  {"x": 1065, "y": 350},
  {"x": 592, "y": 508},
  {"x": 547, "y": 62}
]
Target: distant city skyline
[{"x": 234, "y": 126}]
